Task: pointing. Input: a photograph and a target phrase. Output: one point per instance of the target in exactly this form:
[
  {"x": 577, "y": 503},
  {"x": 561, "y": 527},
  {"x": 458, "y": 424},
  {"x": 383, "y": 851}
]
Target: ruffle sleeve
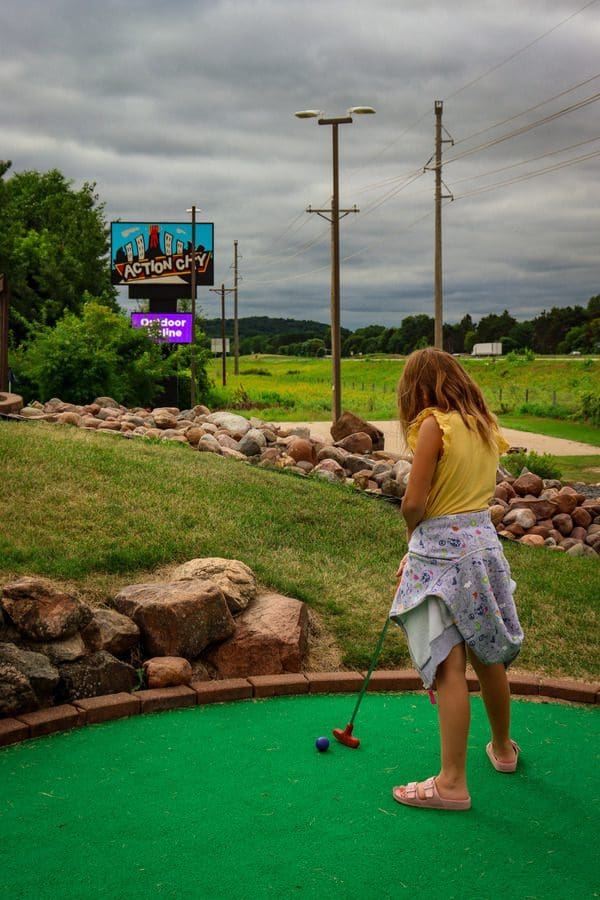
[
  {"x": 443, "y": 420},
  {"x": 503, "y": 444}
]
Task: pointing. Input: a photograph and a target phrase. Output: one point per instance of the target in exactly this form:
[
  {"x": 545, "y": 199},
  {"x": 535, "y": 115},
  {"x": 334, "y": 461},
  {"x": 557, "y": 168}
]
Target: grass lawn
[
  {"x": 286, "y": 388},
  {"x": 97, "y": 512}
]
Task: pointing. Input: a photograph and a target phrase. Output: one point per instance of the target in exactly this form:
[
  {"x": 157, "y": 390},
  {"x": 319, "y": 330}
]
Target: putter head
[{"x": 344, "y": 736}]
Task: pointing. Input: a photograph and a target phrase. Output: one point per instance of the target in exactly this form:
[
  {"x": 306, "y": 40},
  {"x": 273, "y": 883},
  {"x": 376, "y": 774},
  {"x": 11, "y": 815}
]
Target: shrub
[
  {"x": 589, "y": 409},
  {"x": 546, "y": 465},
  {"x": 98, "y": 353},
  {"x": 545, "y": 410}
]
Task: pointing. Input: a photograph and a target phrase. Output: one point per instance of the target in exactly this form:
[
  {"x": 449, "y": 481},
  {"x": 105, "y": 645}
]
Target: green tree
[
  {"x": 551, "y": 327},
  {"x": 96, "y": 354},
  {"x": 470, "y": 341},
  {"x": 363, "y": 340},
  {"x": 492, "y": 327},
  {"x": 53, "y": 248},
  {"x": 414, "y": 330}
]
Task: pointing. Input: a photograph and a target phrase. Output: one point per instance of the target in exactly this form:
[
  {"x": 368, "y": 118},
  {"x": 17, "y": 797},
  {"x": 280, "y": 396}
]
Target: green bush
[
  {"x": 546, "y": 465},
  {"x": 589, "y": 408},
  {"x": 545, "y": 410},
  {"x": 97, "y": 353}
]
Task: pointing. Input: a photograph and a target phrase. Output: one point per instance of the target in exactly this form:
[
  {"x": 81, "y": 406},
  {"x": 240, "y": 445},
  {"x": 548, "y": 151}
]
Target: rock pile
[
  {"x": 527, "y": 509},
  {"x": 356, "y": 456},
  {"x": 545, "y": 513},
  {"x": 210, "y": 620}
]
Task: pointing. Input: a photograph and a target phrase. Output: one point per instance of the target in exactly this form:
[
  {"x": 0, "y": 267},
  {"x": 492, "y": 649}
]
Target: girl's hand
[{"x": 402, "y": 566}]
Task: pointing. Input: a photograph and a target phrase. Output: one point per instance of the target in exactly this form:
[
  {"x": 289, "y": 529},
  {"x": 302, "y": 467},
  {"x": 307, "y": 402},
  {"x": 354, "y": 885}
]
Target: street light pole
[
  {"x": 193, "y": 292},
  {"x": 336, "y": 337}
]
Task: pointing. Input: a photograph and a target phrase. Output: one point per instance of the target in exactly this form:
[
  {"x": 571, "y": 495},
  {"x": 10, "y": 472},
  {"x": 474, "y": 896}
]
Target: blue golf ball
[{"x": 322, "y": 744}]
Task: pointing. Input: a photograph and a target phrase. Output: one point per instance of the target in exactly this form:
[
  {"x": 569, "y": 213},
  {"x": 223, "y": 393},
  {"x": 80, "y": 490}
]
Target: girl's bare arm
[{"x": 427, "y": 453}]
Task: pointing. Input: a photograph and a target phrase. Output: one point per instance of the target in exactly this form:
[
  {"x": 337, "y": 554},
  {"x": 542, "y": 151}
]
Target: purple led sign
[{"x": 174, "y": 328}]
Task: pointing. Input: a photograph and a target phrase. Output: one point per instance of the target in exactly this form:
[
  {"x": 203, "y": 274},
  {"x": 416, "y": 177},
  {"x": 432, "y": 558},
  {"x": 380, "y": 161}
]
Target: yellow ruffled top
[{"x": 465, "y": 476}]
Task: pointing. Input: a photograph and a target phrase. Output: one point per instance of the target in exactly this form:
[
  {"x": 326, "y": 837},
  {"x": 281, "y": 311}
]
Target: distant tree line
[
  {"x": 288, "y": 337},
  {"x": 559, "y": 330}
]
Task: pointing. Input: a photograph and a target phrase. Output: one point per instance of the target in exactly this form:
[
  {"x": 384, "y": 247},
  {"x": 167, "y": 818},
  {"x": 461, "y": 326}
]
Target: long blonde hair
[{"x": 434, "y": 378}]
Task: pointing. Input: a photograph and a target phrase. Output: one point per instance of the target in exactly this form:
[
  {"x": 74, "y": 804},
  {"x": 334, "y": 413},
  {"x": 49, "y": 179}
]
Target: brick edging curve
[{"x": 94, "y": 710}]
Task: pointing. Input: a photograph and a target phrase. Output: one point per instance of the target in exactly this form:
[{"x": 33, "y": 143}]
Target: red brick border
[
  {"x": 114, "y": 706},
  {"x": 111, "y": 706},
  {"x": 222, "y": 691},
  {"x": 278, "y": 685}
]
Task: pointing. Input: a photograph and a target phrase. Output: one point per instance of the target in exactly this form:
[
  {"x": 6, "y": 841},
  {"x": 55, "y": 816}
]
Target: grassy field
[
  {"x": 299, "y": 389},
  {"x": 96, "y": 512}
]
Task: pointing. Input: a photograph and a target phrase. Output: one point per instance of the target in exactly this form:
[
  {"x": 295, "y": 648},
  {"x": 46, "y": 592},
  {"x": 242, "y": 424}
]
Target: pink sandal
[
  {"x": 408, "y": 795},
  {"x": 503, "y": 766}
]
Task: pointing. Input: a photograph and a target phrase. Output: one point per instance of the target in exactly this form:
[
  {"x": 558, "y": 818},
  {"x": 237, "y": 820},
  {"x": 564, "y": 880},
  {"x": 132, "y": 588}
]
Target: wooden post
[{"x": 4, "y": 301}]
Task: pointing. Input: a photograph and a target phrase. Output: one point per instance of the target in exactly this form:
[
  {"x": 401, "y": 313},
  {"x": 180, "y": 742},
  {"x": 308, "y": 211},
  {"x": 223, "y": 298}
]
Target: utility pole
[
  {"x": 438, "y": 339},
  {"x": 4, "y": 303},
  {"x": 222, "y": 291},
  {"x": 193, "y": 290},
  {"x": 236, "y": 334},
  {"x": 334, "y": 215}
]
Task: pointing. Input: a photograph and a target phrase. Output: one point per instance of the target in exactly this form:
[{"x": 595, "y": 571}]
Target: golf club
[{"x": 344, "y": 735}]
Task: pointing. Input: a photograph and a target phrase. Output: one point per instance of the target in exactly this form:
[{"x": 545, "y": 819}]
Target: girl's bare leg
[
  {"x": 495, "y": 691},
  {"x": 454, "y": 710}
]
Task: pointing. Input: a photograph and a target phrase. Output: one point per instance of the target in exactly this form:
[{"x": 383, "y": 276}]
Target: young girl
[{"x": 454, "y": 599}]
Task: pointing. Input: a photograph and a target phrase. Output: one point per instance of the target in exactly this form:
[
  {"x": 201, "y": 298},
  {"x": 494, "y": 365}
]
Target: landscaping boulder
[
  {"x": 42, "y": 611},
  {"x": 252, "y": 443},
  {"x": 177, "y": 618},
  {"x": 95, "y": 675},
  {"x": 528, "y": 483},
  {"x": 358, "y": 442},
  {"x": 348, "y": 423},
  {"x": 330, "y": 470},
  {"x": 230, "y": 421},
  {"x": 62, "y": 651},
  {"x": 42, "y": 676},
  {"x": 235, "y": 578},
  {"x": 110, "y": 630},
  {"x": 16, "y": 693},
  {"x": 167, "y": 671},
  {"x": 270, "y": 639}
]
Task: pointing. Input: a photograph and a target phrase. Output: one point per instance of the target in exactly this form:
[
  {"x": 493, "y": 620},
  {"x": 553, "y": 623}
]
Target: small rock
[{"x": 167, "y": 671}]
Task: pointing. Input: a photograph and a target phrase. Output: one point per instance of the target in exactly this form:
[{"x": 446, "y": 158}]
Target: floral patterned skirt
[{"x": 456, "y": 586}]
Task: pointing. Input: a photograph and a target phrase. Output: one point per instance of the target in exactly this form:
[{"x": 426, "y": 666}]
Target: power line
[
  {"x": 529, "y": 175},
  {"x": 520, "y": 50},
  {"x": 525, "y": 161},
  {"x": 525, "y": 111},
  {"x": 525, "y": 128},
  {"x": 473, "y": 81}
]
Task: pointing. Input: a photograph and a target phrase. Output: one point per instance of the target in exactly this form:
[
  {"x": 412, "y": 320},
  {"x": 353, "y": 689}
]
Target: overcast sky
[{"x": 164, "y": 105}]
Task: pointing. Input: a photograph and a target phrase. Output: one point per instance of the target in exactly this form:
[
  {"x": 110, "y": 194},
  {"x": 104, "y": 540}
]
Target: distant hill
[{"x": 254, "y": 326}]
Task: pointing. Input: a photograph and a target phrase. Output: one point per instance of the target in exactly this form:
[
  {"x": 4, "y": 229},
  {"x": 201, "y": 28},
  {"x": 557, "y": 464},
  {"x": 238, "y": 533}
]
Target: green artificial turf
[{"x": 234, "y": 801}]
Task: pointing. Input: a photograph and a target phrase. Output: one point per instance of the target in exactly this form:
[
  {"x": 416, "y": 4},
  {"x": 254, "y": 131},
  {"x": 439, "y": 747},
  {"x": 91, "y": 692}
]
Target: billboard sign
[
  {"x": 172, "y": 328},
  {"x": 160, "y": 253}
]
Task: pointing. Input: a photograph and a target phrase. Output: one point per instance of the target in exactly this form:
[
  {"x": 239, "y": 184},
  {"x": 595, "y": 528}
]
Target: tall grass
[
  {"x": 97, "y": 512},
  {"x": 299, "y": 389}
]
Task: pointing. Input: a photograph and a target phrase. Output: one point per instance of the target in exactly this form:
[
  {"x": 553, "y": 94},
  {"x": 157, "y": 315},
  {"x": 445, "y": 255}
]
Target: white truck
[{"x": 494, "y": 348}]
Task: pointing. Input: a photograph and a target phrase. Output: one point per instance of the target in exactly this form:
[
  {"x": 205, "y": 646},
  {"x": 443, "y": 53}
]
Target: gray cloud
[{"x": 164, "y": 106}]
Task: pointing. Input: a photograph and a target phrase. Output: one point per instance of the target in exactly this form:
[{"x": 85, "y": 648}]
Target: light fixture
[{"x": 361, "y": 111}]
